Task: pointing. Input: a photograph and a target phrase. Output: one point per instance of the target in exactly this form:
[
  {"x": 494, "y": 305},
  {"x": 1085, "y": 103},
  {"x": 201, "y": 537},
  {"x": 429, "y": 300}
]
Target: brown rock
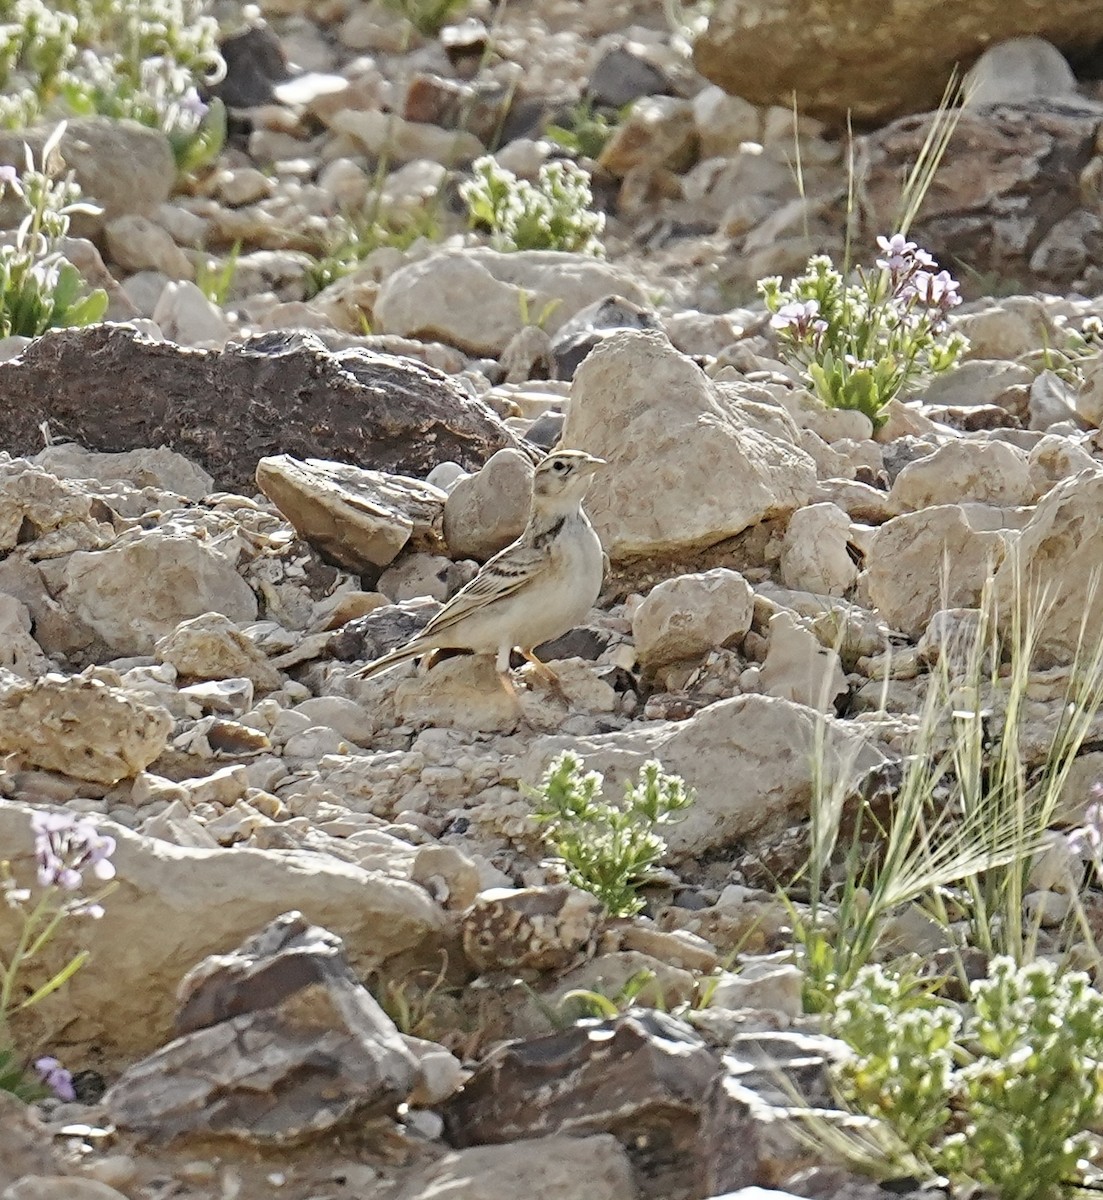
[
  {"x": 278, "y": 1041},
  {"x": 840, "y": 57},
  {"x": 25, "y": 1146},
  {"x": 110, "y": 388},
  {"x": 355, "y": 518}
]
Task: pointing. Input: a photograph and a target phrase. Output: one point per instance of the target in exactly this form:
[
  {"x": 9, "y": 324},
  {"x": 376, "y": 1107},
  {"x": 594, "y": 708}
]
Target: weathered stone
[
  {"x": 25, "y": 1145},
  {"x": 139, "y": 589},
  {"x": 542, "y": 928},
  {"x": 1057, "y": 556},
  {"x": 921, "y": 562},
  {"x": 657, "y": 131},
  {"x": 591, "y": 325},
  {"x": 816, "y": 554},
  {"x": 382, "y": 630},
  {"x": 48, "y": 515},
  {"x": 487, "y": 511},
  {"x": 631, "y": 1073},
  {"x": 158, "y": 468},
  {"x": 121, "y": 166},
  {"x": 60, "y": 1187},
  {"x": 107, "y": 387},
  {"x": 690, "y": 463},
  {"x": 568, "y": 1168},
  {"x": 19, "y": 652},
  {"x": 212, "y": 647},
  {"x": 418, "y": 575},
  {"x": 792, "y": 53},
  {"x": 988, "y": 472},
  {"x": 799, "y": 667},
  {"x": 686, "y": 617},
  {"x": 477, "y": 299},
  {"x": 81, "y": 727},
  {"x": 748, "y": 759},
  {"x": 276, "y": 1042},
  {"x": 1019, "y": 69},
  {"x": 1011, "y": 176},
  {"x": 178, "y": 905},
  {"x": 354, "y": 518}
]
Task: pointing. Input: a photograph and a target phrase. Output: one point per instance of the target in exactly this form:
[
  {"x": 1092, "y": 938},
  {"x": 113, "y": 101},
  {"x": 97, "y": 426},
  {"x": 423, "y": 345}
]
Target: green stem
[{"x": 7, "y": 983}]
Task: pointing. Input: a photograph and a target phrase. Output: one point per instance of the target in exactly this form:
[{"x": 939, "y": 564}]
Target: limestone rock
[
  {"x": 769, "y": 53},
  {"x": 988, "y": 472},
  {"x": 815, "y": 555},
  {"x": 51, "y": 516},
  {"x": 920, "y": 562},
  {"x": 353, "y": 517},
  {"x": 176, "y": 905},
  {"x": 19, "y": 652},
  {"x": 799, "y": 667},
  {"x": 1021, "y": 68},
  {"x": 109, "y": 388},
  {"x": 60, "y": 1187},
  {"x": 120, "y": 165},
  {"x": 137, "y": 244},
  {"x": 158, "y": 468},
  {"x": 421, "y": 575},
  {"x": 276, "y": 1042},
  {"x": 686, "y": 617},
  {"x": 486, "y": 511},
  {"x": 212, "y": 647},
  {"x": 568, "y": 1168},
  {"x": 541, "y": 928},
  {"x": 185, "y": 316},
  {"x": 748, "y": 759},
  {"x": 139, "y": 589},
  {"x": 689, "y": 463},
  {"x": 1059, "y": 550},
  {"x": 81, "y": 727},
  {"x": 476, "y": 299}
]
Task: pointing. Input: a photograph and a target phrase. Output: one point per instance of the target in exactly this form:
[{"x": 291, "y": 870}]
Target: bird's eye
[{"x": 559, "y": 466}]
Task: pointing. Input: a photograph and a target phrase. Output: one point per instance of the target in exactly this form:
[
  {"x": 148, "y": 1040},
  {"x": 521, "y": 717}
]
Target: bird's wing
[{"x": 506, "y": 573}]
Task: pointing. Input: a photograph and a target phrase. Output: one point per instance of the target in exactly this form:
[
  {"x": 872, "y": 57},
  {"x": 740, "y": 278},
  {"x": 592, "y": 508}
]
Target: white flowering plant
[
  {"x": 860, "y": 344},
  {"x": 554, "y": 213}
]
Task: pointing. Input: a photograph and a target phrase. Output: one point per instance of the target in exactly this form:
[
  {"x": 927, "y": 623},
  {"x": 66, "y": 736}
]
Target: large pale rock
[
  {"x": 356, "y": 518},
  {"x": 920, "y": 562},
  {"x": 121, "y": 166},
  {"x": 568, "y": 1168},
  {"x": 110, "y": 388},
  {"x": 796, "y": 52},
  {"x": 477, "y": 299},
  {"x": 487, "y": 511},
  {"x": 81, "y": 727},
  {"x": 988, "y": 472},
  {"x": 690, "y": 615},
  {"x": 53, "y": 516},
  {"x": 175, "y": 906},
  {"x": 690, "y": 463},
  {"x": 19, "y": 652},
  {"x": 799, "y": 667},
  {"x": 138, "y": 244},
  {"x": 158, "y": 468},
  {"x": 1058, "y": 556},
  {"x": 212, "y": 647},
  {"x": 815, "y": 555},
  {"x": 749, "y": 759},
  {"x": 60, "y": 1187},
  {"x": 140, "y": 589}
]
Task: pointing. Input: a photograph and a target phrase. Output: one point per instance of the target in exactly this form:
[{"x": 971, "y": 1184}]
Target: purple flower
[
  {"x": 898, "y": 251},
  {"x": 65, "y": 846},
  {"x": 798, "y": 318},
  {"x": 938, "y": 292},
  {"x": 56, "y": 1078},
  {"x": 9, "y": 176}
]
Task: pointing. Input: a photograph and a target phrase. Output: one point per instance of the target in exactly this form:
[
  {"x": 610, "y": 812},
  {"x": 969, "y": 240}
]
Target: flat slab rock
[{"x": 110, "y": 388}]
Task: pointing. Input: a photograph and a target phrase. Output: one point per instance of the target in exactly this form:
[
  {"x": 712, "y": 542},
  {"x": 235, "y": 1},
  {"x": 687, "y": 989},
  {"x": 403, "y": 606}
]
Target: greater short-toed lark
[{"x": 532, "y": 591}]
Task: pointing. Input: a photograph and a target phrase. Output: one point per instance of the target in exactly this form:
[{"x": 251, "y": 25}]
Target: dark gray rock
[
  {"x": 110, "y": 388},
  {"x": 592, "y": 325},
  {"x": 383, "y": 630},
  {"x": 622, "y": 75},
  {"x": 277, "y": 1042}
]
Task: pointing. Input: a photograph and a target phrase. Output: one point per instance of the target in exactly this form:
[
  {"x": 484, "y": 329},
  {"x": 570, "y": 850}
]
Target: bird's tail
[{"x": 404, "y": 654}]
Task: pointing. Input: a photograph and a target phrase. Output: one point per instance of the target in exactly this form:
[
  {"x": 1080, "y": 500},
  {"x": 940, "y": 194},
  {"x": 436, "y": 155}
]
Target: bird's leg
[
  {"x": 501, "y": 665},
  {"x": 546, "y": 673}
]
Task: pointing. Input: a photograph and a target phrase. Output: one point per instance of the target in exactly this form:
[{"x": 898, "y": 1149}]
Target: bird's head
[{"x": 561, "y": 479}]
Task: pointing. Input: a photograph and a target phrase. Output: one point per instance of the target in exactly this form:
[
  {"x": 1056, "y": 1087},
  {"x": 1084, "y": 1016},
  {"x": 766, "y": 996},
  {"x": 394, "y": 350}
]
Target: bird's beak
[{"x": 592, "y": 463}]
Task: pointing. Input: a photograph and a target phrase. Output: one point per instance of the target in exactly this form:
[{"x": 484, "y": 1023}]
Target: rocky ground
[{"x": 212, "y": 513}]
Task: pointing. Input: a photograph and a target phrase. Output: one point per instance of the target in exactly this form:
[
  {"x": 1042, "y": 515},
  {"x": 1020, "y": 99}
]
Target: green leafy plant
[
  {"x": 66, "y": 849},
  {"x": 584, "y": 132},
  {"x": 39, "y": 289},
  {"x": 1002, "y": 1093},
  {"x": 860, "y": 344},
  {"x": 554, "y": 213},
  {"x": 352, "y": 237},
  {"x": 608, "y": 848},
  {"x": 214, "y": 279}
]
